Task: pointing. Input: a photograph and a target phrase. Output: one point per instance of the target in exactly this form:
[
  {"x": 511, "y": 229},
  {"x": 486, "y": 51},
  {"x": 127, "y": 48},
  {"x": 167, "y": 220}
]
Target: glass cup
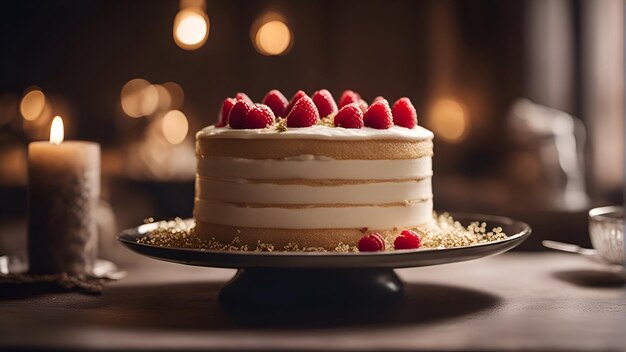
[{"x": 606, "y": 230}]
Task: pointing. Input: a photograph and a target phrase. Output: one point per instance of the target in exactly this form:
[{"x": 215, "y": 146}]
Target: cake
[{"x": 278, "y": 174}]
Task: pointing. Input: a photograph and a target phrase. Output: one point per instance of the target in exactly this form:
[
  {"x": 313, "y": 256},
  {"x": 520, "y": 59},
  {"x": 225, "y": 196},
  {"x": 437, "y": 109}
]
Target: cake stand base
[{"x": 265, "y": 287}]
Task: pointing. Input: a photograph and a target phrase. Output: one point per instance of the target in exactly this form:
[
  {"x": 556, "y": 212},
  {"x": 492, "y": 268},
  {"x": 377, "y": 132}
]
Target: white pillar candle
[{"x": 63, "y": 191}]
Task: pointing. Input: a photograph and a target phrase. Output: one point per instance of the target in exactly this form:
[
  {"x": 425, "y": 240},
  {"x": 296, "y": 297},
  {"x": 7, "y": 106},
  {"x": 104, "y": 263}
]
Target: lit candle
[{"x": 63, "y": 191}]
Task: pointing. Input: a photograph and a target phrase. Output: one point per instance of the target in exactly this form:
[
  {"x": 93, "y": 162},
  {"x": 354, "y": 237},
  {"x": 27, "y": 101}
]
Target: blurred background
[{"x": 526, "y": 98}]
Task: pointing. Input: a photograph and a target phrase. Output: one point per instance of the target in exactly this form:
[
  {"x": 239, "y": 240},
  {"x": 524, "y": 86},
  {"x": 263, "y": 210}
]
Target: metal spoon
[
  {"x": 590, "y": 253},
  {"x": 569, "y": 247}
]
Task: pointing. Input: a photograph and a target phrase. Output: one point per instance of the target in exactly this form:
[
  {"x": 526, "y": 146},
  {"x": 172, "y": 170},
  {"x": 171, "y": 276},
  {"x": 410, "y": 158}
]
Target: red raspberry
[
  {"x": 363, "y": 105},
  {"x": 350, "y": 116},
  {"x": 303, "y": 114},
  {"x": 407, "y": 240},
  {"x": 348, "y": 97},
  {"x": 371, "y": 243},
  {"x": 277, "y": 102},
  {"x": 244, "y": 96},
  {"x": 325, "y": 103},
  {"x": 378, "y": 98},
  {"x": 404, "y": 113},
  {"x": 260, "y": 116},
  {"x": 237, "y": 116},
  {"x": 378, "y": 115},
  {"x": 224, "y": 111},
  {"x": 299, "y": 94}
]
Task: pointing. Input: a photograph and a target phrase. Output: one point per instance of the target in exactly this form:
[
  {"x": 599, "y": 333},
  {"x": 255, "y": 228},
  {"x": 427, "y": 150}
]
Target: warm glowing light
[
  {"x": 139, "y": 98},
  {"x": 177, "y": 96},
  {"x": 165, "y": 99},
  {"x": 32, "y": 104},
  {"x": 191, "y": 28},
  {"x": 273, "y": 38},
  {"x": 448, "y": 120},
  {"x": 175, "y": 126},
  {"x": 56, "y": 130}
]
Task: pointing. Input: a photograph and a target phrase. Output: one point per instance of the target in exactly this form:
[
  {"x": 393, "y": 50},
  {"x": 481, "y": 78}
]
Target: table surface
[{"x": 514, "y": 301}]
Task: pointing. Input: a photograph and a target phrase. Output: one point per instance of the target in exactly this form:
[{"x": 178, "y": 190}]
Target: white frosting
[
  {"x": 268, "y": 193},
  {"x": 372, "y": 217},
  {"x": 309, "y": 167},
  {"x": 417, "y": 133}
]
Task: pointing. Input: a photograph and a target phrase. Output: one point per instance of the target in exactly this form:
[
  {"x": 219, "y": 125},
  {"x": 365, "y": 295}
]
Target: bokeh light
[
  {"x": 33, "y": 104},
  {"x": 271, "y": 35},
  {"x": 273, "y": 38},
  {"x": 174, "y": 126},
  {"x": 177, "y": 96},
  {"x": 191, "y": 28},
  {"x": 139, "y": 98},
  {"x": 448, "y": 120},
  {"x": 165, "y": 99}
]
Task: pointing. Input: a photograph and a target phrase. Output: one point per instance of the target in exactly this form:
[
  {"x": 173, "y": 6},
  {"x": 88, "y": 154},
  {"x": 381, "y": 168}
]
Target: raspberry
[
  {"x": 350, "y": 116},
  {"x": 378, "y": 115},
  {"x": 224, "y": 111},
  {"x": 277, "y": 102},
  {"x": 363, "y": 105},
  {"x": 325, "y": 103},
  {"x": 260, "y": 116},
  {"x": 378, "y": 98},
  {"x": 303, "y": 114},
  {"x": 348, "y": 97},
  {"x": 407, "y": 240},
  {"x": 299, "y": 94},
  {"x": 244, "y": 96},
  {"x": 404, "y": 113},
  {"x": 237, "y": 116},
  {"x": 371, "y": 243}
]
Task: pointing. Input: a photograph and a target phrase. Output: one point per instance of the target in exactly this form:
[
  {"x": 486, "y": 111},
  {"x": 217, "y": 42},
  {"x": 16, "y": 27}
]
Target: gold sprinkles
[{"x": 445, "y": 233}]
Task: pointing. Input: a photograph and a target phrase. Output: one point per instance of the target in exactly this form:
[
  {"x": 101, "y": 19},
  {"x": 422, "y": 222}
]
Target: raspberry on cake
[
  {"x": 378, "y": 115},
  {"x": 238, "y": 113},
  {"x": 348, "y": 97},
  {"x": 277, "y": 102},
  {"x": 299, "y": 95},
  {"x": 325, "y": 103},
  {"x": 404, "y": 113},
  {"x": 306, "y": 182},
  {"x": 303, "y": 114},
  {"x": 227, "y": 105},
  {"x": 350, "y": 116}
]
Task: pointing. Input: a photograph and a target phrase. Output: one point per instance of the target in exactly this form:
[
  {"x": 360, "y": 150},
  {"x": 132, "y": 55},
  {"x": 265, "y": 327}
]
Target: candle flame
[{"x": 56, "y": 130}]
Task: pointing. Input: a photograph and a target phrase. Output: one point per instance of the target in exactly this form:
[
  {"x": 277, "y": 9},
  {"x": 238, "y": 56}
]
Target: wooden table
[{"x": 515, "y": 301}]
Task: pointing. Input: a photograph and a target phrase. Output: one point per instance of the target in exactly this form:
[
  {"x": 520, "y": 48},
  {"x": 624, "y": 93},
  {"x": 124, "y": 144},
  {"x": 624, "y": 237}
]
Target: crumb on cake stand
[{"x": 445, "y": 233}]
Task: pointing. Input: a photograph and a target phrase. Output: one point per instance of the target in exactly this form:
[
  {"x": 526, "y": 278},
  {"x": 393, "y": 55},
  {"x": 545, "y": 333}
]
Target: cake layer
[
  {"x": 319, "y": 132},
  {"x": 328, "y": 239},
  {"x": 349, "y": 216},
  {"x": 380, "y": 192},
  {"x": 311, "y": 167},
  {"x": 338, "y": 150}
]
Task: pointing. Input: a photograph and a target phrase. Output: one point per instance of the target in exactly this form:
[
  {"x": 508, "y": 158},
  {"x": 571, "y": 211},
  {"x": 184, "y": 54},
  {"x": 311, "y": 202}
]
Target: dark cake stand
[{"x": 297, "y": 278}]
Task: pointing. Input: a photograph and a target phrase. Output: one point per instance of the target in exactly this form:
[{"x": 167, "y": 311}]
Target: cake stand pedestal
[
  {"x": 298, "y": 278},
  {"x": 294, "y": 287}
]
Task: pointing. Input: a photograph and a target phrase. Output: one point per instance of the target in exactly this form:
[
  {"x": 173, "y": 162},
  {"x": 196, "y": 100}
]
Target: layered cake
[{"x": 309, "y": 173}]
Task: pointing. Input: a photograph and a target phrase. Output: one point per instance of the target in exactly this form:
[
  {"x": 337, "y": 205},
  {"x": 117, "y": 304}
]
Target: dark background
[{"x": 477, "y": 53}]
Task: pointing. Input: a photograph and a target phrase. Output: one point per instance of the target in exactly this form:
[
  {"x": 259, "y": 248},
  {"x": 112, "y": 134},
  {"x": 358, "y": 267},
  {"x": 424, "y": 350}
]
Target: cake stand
[{"x": 297, "y": 278}]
